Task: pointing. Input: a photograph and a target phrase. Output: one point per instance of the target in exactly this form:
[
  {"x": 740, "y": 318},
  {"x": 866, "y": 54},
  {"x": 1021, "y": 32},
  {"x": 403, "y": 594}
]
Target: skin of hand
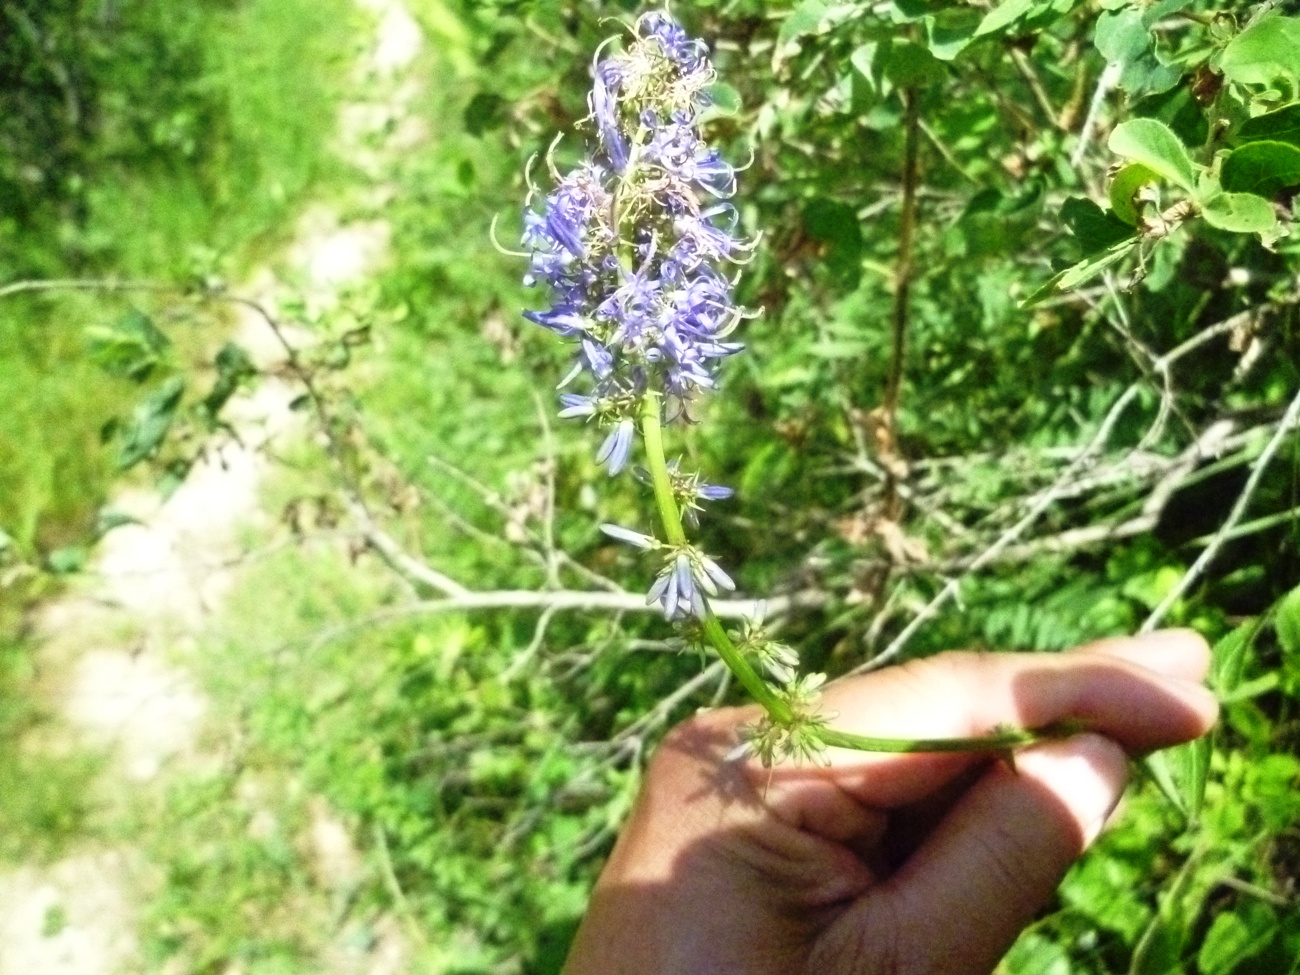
[{"x": 882, "y": 864}]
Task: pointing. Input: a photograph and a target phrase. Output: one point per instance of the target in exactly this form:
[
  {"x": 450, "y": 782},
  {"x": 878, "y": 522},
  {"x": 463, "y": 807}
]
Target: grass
[
  {"x": 267, "y": 78},
  {"x": 259, "y": 85}
]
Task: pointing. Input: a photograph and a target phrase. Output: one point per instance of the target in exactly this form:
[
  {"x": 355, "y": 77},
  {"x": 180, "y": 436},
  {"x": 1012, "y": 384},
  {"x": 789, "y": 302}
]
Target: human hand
[{"x": 914, "y": 864}]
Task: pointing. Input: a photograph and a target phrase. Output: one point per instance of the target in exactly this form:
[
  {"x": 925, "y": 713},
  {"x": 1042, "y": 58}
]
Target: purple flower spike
[{"x": 631, "y": 242}]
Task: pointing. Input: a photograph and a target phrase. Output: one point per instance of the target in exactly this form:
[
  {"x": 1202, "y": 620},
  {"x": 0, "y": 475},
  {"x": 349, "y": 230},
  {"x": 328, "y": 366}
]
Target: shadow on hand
[{"x": 717, "y": 871}]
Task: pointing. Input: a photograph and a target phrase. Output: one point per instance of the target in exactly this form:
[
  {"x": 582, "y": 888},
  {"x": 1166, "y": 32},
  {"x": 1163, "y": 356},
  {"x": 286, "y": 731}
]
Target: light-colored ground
[{"x": 115, "y": 645}]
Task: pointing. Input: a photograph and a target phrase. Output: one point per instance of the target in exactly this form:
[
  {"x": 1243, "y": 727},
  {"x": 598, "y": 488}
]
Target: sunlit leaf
[
  {"x": 132, "y": 347},
  {"x": 1228, "y": 661},
  {"x": 723, "y": 100},
  {"x": 1263, "y": 168},
  {"x": 67, "y": 560},
  {"x": 1082, "y": 272},
  {"x": 1003, "y": 15},
  {"x": 1263, "y": 53},
  {"x": 804, "y": 19},
  {"x": 1154, "y": 145},
  {"x": 1287, "y": 622},
  {"x": 1124, "y": 189},
  {"x": 1242, "y": 213}
]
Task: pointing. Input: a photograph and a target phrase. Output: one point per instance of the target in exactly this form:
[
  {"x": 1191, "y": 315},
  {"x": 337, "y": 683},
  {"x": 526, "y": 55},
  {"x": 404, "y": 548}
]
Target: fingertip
[{"x": 1177, "y": 652}]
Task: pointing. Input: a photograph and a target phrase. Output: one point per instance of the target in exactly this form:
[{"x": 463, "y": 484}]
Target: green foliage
[
  {"x": 457, "y": 747},
  {"x": 137, "y": 139},
  {"x": 1262, "y": 168},
  {"x": 1154, "y": 145},
  {"x": 197, "y": 129}
]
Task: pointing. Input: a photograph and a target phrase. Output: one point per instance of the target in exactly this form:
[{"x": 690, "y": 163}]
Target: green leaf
[
  {"x": 67, "y": 560},
  {"x": 864, "y": 59},
  {"x": 1288, "y": 622},
  {"x": 1121, "y": 36},
  {"x": 908, "y": 64},
  {"x": 486, "y": 111},
  {"x": 1082, "y": 272},
  {"x": 1280, "y": 126},
  {"x": 1263, "y": 168},
  {"x": 804, "y": 19},
  {"x": 1234, "y": 937},
  {"x": 1264, "y": 53},
  {"x": 723, "y": 100},
  {"x": 149, "y": 423},
  {"x": 1154, "y": 145},
  {"x": 1228, "y": 660},
  {"x": 1124, "y": 38},
  {"x": 1158, "y": 11},
  {"x": 1094, "y": 228},
  {"x": 108, "y": 519},
  {"x": 1124, "y": 189},
  {"x": 1003, "y": 15},
  {"x": 1189, "y": 766},
  {"x": 132, "y": 347},
  {"x": 1159, "y": 768},
  {"x": 233, "y": 367},
  {"x": 899, "y": 63},
  {"x": 950, "y": 32},
  {"x": 1241, "y": 213}
]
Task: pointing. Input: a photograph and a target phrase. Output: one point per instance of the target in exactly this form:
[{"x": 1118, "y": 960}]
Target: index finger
[{"x": 969, "y": 694}]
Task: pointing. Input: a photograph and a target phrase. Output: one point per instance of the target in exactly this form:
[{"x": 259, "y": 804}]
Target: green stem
[
  {"x": 652, "y": 432},
  {"x": 778, "y": 710},
  {"x": 997, "y": 742},
  {"x": 670, "y": 515}
]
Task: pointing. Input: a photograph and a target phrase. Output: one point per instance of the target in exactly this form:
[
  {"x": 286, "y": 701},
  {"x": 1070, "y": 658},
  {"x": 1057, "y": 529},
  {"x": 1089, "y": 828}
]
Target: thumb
[{"x": 996, "y": 859}]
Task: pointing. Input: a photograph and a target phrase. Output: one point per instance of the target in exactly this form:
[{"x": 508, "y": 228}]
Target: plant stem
[
  {"x": 652, "y": 432},
  {"x": 778, "y": 710},
  {"x": 670, "y": 516},
  {"x": 997, "y": 742}
]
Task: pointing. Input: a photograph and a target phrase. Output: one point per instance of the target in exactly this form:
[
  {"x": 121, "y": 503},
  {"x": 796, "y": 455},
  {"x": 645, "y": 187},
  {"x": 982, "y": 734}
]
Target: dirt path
[{"x": 114, "y": 641}]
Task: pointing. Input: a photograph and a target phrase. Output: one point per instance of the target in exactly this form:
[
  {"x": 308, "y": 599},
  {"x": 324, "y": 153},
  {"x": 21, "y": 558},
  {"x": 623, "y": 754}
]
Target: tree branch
[{"x": 1207, "y": 556}]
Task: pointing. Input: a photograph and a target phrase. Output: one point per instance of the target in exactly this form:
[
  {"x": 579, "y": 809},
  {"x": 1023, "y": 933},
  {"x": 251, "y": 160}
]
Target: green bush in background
[{"x": 1045, "y": 282}]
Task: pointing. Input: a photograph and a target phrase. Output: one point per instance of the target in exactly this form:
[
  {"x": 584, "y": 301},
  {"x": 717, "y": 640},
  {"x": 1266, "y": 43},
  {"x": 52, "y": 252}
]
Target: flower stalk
[
  {"x": 636, "y": 246},
  {"x": 778, "y": 710}
]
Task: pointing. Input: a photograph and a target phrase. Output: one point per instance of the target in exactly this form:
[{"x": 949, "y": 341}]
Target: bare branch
[
  {"x": 1207, "y": 556},
  {"x": 1105, "y": 85},
  {"x": 1045, "y": 499}
]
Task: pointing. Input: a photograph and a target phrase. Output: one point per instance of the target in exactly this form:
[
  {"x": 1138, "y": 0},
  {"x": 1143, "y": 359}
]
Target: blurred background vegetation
[{"x": 482, "y": 761}]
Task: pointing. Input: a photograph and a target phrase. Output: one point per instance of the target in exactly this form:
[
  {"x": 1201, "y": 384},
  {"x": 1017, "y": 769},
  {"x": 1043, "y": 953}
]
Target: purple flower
[
  {"x": 688, "y": 54},
  {"x": 617, "y": 447},
  {"x": 629, "y": 536},
  {"x": 687, "y": 576},
  {"x": 603, "y": 101},
  {"x": 631, "y": 242}
]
